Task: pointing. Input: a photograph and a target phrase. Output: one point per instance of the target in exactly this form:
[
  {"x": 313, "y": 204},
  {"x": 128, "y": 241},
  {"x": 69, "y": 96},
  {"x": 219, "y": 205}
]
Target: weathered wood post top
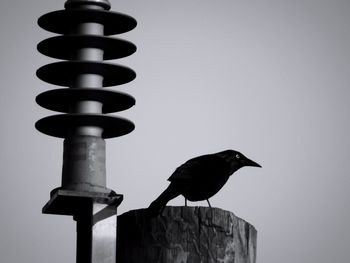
[{"x": 185, "y": 235}]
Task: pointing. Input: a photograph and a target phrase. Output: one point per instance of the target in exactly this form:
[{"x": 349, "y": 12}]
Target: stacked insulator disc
[{"x": 83, "y": 45}]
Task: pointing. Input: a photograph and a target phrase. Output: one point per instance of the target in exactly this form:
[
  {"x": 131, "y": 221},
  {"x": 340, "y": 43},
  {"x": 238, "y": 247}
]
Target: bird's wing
[{"x": 198, "y": 167}]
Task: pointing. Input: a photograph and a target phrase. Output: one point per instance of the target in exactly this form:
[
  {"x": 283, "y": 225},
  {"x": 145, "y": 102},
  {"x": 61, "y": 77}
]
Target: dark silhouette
[{"x": 200, "y": 178}]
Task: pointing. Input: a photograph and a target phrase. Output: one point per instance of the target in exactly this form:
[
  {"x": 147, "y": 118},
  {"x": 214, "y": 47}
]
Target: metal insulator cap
[{"x": 76, "y": 3}]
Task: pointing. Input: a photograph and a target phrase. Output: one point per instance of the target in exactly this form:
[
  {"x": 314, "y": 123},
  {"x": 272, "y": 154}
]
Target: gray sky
[{"x": 268, "y": 78}]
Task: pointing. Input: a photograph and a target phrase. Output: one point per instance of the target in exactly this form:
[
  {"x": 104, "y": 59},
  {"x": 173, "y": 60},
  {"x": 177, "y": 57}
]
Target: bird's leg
[
  {"x": 185, "y": 201},
  {"x": 208, "y": 203}
]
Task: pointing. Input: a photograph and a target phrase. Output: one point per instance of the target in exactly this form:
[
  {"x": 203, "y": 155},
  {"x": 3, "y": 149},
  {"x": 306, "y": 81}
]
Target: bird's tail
[{"x": 157, "y": 206}]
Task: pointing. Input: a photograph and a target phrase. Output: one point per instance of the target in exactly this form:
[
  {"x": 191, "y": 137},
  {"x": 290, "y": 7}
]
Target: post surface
[{"x": 185, "y": 235}]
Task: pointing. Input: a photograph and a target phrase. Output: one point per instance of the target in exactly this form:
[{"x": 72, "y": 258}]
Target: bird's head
[{"x": 236, "y": 160}]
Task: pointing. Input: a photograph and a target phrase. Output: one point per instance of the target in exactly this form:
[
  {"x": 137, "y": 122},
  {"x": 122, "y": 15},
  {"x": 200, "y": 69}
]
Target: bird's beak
[{"x": 248, "y": 162}]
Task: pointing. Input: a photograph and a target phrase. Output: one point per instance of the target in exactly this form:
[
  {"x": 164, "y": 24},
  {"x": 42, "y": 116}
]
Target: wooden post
[{"x": 185, "y": 235}]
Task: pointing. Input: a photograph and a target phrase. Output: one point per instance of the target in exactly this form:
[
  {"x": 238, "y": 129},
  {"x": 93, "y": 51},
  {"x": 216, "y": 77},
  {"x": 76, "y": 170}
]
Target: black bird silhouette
[{"x": 200, "y": 178}]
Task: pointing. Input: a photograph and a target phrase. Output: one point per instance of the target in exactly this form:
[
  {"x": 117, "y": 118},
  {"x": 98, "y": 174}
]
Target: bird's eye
[{"x": 238, "y": 156}]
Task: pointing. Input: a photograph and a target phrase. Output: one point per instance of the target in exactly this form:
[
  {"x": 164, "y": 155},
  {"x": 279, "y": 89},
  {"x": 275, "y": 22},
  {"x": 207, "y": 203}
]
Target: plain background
[{"x": 266, "y": 77}]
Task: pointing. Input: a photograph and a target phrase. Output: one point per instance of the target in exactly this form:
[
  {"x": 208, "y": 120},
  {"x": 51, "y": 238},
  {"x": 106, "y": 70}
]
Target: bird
[{"x": 200, "y": 178}]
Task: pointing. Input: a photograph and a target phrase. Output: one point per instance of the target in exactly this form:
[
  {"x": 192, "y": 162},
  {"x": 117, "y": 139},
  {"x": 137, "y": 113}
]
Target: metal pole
[
  {"x": 83, "y": 43},
  {"x": 96, "y": 234}
]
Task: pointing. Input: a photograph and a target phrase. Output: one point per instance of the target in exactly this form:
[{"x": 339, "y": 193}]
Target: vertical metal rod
[
  {"x": 92, "y": 246},
  {"x": 97, "y": 234},
  {"x": 84, "y": 236}
]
